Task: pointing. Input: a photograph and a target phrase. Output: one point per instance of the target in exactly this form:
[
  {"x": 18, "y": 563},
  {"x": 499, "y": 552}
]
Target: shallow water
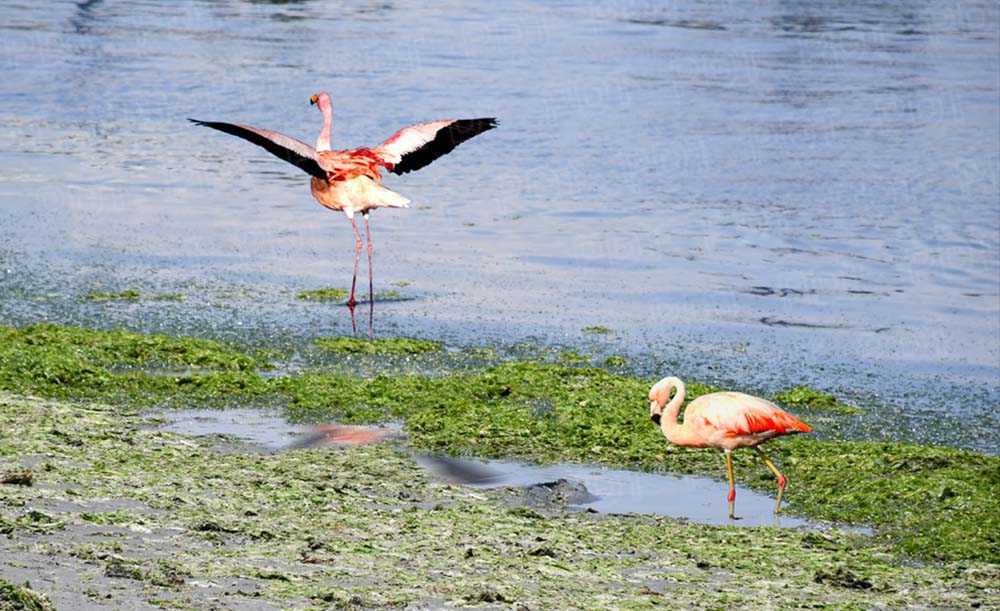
[
  {"x": 698, "y": 499},
  {"x": 759, "y": 195}
]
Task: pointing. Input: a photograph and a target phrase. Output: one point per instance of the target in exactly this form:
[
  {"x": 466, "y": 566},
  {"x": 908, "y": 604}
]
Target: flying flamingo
[
  {"x": 349, "y": 180},
  {"x": 723, "y": 420}
]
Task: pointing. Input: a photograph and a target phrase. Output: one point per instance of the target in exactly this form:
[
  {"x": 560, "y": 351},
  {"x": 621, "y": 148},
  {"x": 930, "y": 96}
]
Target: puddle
[
  {"x": 697, "y": 499},
  {"x": 259, "y": 427}
]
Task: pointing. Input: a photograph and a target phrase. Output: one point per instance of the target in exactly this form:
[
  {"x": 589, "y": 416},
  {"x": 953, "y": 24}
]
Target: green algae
[
  {"x": 129, "y": 295},
  {"x": 366, "y": 528},
  {"x": 338, "y": 295},
  {"x": 325, "y": 295},
  {"x": 382, "y": 345},
  {"x": 572, "y": 357},
  {"x": 391, "y": 295},
  {"x": 924, "y": 502},
  {"x": 803, "y": 396},
  {"x": 170, "y": 297},
  {"x": 67, "y": 361},
  {"x": 596, "y": 330},
  {"x": 17, "y": 598}
]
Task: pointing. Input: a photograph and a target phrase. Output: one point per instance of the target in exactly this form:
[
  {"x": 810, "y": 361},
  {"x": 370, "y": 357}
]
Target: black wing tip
[
  {"x": 485, "y": 122},
  {"x": 445, "y": 141}
]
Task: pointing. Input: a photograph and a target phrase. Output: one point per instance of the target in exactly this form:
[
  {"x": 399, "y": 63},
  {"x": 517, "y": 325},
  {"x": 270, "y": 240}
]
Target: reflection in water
[
  {"x": 85, "y": 16},
  {"x": 371, "y": 318}
]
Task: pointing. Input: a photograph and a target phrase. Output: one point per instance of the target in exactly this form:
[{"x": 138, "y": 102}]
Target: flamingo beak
[
  {"x": 654, "y": 412},
  {"x": 313, "y": 99}
]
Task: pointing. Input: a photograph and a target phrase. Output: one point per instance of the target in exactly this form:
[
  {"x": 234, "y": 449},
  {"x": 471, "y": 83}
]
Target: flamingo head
[
  {"x": 322, "y": 100},
  {"x": 659, "y": 395}
]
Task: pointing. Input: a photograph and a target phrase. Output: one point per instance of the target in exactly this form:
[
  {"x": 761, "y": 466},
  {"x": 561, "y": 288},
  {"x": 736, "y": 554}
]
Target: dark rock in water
[
  {"x": 559, "y": 492},
  {"x": 553, "y": 495}
]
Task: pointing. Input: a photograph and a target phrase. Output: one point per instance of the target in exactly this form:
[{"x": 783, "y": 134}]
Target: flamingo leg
[
  {"x": 357, "y": 258},
  {"x": 371, "y": 281},
  {"x": 371, "y": 275},
  {"x": 732, "y": 485},
  {"x": 781, "y": 478}
]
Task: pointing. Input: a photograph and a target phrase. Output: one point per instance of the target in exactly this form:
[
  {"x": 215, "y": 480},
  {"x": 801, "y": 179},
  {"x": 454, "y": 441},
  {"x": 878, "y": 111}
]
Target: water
[
  {"x": 699, "y": 499},
  {"x": 758, "y": 194}
]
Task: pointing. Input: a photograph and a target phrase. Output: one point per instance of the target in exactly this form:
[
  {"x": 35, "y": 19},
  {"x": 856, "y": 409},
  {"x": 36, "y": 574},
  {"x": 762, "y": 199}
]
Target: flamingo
[
  {"x": 349, "y": 180},
  {"x": 723, "y": 420}
]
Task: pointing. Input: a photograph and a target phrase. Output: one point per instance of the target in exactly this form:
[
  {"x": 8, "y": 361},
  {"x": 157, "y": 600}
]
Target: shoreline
[{"x": 919, "y": 398}]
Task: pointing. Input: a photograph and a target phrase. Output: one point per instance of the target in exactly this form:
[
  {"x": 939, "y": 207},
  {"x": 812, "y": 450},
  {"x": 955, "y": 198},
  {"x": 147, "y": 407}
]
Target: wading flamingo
[
  {"x": 723, "y": 420},
  {"x": 348, "y": 180}
]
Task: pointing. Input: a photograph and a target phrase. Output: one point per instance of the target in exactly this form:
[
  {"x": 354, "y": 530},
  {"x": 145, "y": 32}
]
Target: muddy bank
[{"x": 120, "y": 516}]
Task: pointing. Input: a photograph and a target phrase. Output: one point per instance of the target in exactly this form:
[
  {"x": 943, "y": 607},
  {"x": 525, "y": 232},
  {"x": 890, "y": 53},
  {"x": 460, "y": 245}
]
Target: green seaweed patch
[
  {"x": 325, "y": 295},
  {"x": 163, "y": 573},
  {"x": 596, "y": 330},
  {"x": 129, "y": 295},
  {"x": 69, "y": 361},
  {"x": 487, "y": 354},
  {"x": 382, "y": 345},
  {"x": 615, "y": 361},
  {"x": 170, "y": 297},
  {"x": 17, "y": 598},
  {"x": 571, "y": 357},
  {"x": 803, "y": 396},
  {"x": 336, "y": 295},
  {"x": 401, "y": 283},
  {"x": 391, "y": 295}
]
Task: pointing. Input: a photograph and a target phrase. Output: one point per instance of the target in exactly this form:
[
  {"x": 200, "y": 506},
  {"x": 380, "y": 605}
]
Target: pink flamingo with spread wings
[
  {"x": 723, "y": 420},
  {"x": 349, "y": 180}
]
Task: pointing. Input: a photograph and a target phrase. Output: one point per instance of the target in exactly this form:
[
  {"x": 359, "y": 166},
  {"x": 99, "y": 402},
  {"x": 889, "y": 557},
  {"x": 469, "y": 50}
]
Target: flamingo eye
[{"x": 313, "y": 99}]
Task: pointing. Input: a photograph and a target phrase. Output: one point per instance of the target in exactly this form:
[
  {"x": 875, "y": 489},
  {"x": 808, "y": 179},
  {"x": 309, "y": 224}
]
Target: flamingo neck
[
  {"x": 325, "y": 107},
  {"x": 668, "y": 421}
]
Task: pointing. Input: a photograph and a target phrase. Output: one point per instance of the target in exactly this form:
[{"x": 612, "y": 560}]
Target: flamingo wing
[
  {"x": 293, "y": 151},
  {"x": 416, "y": 146},
  {"x": 738, "y": 414}
]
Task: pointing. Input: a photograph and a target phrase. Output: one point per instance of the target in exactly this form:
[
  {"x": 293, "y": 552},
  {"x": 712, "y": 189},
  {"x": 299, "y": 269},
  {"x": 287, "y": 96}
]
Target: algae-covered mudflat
[
  {"x": 103, "y": 510},
  {"x": 796, "y": 200}
]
